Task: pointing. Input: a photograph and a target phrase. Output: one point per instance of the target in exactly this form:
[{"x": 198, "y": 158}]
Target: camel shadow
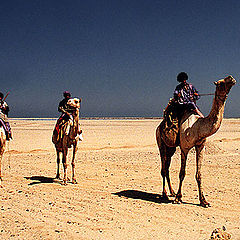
[
  {"x": 150, "y": 197},
  {"x": 41, "y": 179}
]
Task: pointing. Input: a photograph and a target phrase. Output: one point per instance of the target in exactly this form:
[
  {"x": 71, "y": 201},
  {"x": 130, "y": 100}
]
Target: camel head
[
  {"x": 224, "y": 86},
  {"x": 74, "y": 103}
]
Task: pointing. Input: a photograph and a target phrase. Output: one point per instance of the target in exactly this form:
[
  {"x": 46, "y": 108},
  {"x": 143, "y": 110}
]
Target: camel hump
[
  {"x": 174, "y": 113},
  {"x": 170, "y": 125}
]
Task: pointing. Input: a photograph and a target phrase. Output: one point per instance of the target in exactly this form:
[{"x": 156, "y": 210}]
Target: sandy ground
[{"x": 119, "y": 185}]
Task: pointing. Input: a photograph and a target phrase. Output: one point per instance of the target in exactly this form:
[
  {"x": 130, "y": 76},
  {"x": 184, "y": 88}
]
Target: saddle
[
  {"x": 63, "y": 128},
  {"x": 59, "y": 130}
]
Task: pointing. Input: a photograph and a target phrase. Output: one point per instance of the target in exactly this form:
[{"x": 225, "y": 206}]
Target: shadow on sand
[
  {"x": 150, "y": 197},
  {"x": 42, "y": 179}
]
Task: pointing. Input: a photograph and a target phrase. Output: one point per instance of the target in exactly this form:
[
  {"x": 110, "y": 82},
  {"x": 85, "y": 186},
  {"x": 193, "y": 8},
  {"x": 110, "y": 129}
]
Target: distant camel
[
  {"x": 2, "y": 149},
  {"x": 193, "y": 133},
  {"x": 69, "y": 138}
]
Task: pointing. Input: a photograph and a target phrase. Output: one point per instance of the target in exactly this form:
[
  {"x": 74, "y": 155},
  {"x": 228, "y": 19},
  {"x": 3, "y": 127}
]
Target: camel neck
[
  {"x": 74, "y": 128},
  {"x": 213, "y": 121},
  {"x": 76, "y": 116}
]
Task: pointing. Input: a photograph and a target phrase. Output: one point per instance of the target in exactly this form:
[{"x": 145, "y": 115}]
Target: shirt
[{"x": 185, "y": 93}]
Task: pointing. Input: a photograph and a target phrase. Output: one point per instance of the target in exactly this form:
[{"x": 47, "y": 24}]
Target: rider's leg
[{"x": 199, "y": 112}]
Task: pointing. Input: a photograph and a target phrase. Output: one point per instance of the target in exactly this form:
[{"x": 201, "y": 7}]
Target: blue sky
[{"x": 121, "y": 57}]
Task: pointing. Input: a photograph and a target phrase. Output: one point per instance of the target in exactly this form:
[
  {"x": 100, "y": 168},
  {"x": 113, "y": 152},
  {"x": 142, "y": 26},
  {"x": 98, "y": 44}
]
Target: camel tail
[
  {"x": 54, "y": 137},
  {"x": 2, "y": 143},
  {"x": 158, "y": 135}
]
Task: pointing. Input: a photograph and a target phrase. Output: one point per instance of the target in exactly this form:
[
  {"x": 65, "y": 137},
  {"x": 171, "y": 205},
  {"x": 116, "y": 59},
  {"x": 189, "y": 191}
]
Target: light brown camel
[
  {"x": 193, "y": 133},
  {"x": 2, "y": 149},
  {"x": 69, "y": 138}
]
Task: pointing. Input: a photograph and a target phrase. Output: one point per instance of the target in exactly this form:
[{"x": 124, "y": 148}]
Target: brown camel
[
  {"x": 2, "y": 149},
  {"x": 193, "y": 132},
  {"x": 69, "y": 138}
]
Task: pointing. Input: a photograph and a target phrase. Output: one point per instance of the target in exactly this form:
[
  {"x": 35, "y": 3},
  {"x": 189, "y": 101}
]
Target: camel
[
  {"x": 2, "y": 149},
  {"x": 70, "y": 138},
  {"x": 193, "y": 131}
]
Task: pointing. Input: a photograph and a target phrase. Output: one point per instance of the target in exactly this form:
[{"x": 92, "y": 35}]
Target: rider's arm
[
  {"x": 61, "y": 107},
  {"x": 176, "y": 95},
  {"x": 195, "y": 93}
]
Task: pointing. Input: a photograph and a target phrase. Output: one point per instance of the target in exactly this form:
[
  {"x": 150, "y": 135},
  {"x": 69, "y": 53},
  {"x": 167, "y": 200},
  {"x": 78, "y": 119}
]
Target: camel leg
[
  {"x": 165, "y": 154},
  {"x": 162, "y": 149},
  {"x": 1, "y": 171},
  {"x": 199, "y": 158},
  {"x": 58, "y": 165},
  {"x": 182, "y": 173},
  {"x": 73, "y": 164},
  {"x": 64, "y": 161},
  {"x": 170, "y": 152}
]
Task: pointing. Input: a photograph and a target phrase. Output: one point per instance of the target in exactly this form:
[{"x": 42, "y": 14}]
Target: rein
[
  {"x": 206, "y": 94},
  {"x": 222, "y": 98}
]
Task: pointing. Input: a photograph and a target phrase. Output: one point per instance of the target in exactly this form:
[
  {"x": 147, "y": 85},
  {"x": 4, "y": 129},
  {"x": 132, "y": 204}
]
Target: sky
[{"x": 121, "y": 57}]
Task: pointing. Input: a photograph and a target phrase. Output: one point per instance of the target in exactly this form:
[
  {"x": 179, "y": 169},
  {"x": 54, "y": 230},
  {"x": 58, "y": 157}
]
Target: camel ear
[{"x": 216, "y": 83}]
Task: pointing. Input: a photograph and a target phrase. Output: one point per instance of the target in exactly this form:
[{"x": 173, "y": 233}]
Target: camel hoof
[
  {"x": 205, "y": 204},
  {"x": 165, "y": 197},
  {"x": 64, "y": 183},
  {"x": 58, "y": 177},
  {"x": 74, "y": 181},
  {"x": 177, "y": 200}
]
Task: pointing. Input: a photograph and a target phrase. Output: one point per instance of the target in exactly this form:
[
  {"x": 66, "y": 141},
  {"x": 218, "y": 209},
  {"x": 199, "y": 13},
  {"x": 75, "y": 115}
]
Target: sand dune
[{"x": 118, "y": 195}]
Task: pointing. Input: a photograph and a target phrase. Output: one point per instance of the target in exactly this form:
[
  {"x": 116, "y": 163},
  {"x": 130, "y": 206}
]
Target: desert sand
[{"x": 118, "y": 195}]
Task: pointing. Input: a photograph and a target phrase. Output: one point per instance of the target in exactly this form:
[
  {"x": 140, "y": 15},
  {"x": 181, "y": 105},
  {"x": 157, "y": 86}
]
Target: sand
[{"x": 118, "y": 195}]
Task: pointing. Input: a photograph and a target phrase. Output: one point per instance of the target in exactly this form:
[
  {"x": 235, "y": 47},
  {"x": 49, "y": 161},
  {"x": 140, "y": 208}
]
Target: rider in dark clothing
[
  {"x": 64, "y": 109},
  {"x": 65, "y": 117},
  {"x": 186, "y": 95}
]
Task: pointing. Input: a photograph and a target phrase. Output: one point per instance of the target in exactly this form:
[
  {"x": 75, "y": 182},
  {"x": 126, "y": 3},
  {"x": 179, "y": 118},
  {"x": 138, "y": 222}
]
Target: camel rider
[
  {"x": 63, "y": 107},
  {"x": 185, "y": 95},
  {"x": 4, "y": 109},
  {"x": 65, "y": 110}
]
